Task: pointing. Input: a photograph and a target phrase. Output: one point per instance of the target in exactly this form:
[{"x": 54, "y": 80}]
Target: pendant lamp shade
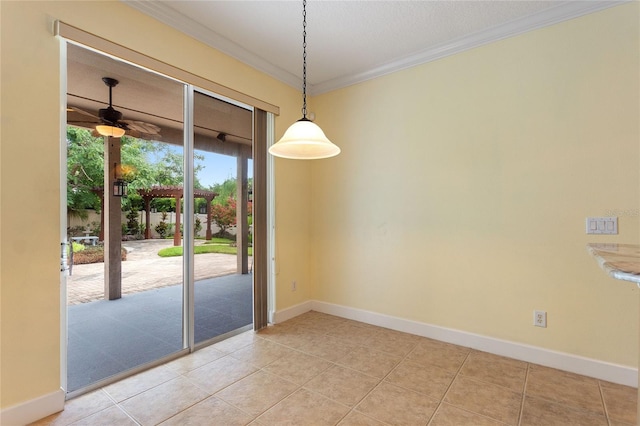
[{"x": 304, "y": 140}]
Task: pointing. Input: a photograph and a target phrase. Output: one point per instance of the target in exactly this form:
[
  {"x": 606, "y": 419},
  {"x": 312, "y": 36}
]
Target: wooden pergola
[
  {"x": 176, "y": 192},
  {"x": 149, "y": 194}
]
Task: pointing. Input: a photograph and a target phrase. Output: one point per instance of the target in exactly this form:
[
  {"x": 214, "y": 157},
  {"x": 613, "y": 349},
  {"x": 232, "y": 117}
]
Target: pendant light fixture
[{"x": 304, "y": 140}]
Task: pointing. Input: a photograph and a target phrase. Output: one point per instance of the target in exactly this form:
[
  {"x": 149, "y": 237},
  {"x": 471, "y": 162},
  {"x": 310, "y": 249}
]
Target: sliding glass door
[
  {"x": 125, "y": 285},
  {"x": 223, "y": 283},
  {"x": 164, "y": 219}
]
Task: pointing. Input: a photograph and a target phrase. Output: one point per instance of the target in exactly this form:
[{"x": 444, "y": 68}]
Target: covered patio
[
  {"x": 109, "y": 337},
  {"x": 153, "y": 109},
  {"x": 137, "y": 314}
]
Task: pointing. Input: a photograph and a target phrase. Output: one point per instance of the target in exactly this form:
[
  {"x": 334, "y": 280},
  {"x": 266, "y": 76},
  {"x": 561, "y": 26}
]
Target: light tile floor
[{"x": 318, "y": 369}]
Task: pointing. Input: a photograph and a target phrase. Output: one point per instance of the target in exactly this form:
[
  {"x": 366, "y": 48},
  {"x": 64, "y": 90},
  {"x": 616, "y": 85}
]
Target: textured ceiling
[{"x": 351, "y": 41}]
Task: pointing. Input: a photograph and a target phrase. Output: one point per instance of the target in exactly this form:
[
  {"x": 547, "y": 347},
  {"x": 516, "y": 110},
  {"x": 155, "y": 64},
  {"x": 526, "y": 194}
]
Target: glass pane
[
  {"x": 125, "y": 292},
  {"x": 223, "y": 281}
]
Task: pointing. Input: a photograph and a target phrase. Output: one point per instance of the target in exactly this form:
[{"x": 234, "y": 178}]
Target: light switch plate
[{"x": 602, "y": 225}]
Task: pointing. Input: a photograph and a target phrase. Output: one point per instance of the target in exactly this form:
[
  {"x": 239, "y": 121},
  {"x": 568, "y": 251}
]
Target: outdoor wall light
[
  {"x": 304, "y": 140},
  {"x": 119, "y": 184},
  {"x": 119, "y": 188}
]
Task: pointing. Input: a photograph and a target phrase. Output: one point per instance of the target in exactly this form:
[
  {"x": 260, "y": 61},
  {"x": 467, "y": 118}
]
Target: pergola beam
[{"x": 176, "y": 192}]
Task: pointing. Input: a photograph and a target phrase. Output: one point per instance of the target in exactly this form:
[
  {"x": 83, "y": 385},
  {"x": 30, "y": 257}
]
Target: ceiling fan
[{"x": 109, "y": 120}]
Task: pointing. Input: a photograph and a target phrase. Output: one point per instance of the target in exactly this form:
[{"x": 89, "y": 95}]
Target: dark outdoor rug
[{"x": 110, "y": 337}]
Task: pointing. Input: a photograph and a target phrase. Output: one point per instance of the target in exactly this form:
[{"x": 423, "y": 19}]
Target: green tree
[
  {"x": 225, "y": 190},
  {"x": 228, "y": 189},
  {"x": 85, "y": 171},
  {"x": 143, "y": 165},
  {"x": 133, "y": 228},
  {"x": 137, "y": 168},
  {"x": 169, "y": 170}
]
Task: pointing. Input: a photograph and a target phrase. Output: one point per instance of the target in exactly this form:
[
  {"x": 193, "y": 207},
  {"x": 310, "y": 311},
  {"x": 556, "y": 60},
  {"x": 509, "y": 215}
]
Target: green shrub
[
  {"x": 132, "y": 226},
  {"x": 77, "y": 247},
  {"x": 162, "y": 228}
]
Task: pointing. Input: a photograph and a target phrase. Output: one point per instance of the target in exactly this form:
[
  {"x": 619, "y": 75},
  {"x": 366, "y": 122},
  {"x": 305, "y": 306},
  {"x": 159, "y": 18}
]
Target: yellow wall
[
  {"x": 30, "y": 170},
  {"x": 461, "y": 193},
  {"x": 459, "y": 198}
]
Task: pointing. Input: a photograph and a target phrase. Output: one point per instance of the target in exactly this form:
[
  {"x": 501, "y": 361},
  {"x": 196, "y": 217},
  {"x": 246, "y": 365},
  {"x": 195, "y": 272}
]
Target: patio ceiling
[{"x": 148, "y": 97}]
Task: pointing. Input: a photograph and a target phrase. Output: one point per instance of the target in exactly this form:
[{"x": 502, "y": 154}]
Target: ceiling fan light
[
  {"x": 304, "y": 140},
  {"x": 114, "y": 132}
]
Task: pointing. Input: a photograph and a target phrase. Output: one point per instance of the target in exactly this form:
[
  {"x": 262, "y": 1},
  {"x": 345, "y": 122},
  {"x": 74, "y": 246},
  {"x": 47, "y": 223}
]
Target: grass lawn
[
  {"x": 216, "y": 240},
  {"x": 209, "y": 247}
]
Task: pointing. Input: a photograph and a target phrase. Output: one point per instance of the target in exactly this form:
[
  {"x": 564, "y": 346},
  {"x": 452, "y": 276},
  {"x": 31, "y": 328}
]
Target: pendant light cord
[{"x": 304, "y": 59}]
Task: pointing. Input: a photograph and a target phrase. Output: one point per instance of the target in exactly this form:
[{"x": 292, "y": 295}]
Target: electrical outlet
[
  {"x": 294, "y": 286},
  {"x": 540, "y": 319}
]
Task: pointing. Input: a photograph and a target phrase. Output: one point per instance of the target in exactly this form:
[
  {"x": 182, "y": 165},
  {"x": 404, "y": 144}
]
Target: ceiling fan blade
[
  {"x": 82, "y": 123},
  {"x": 72, "y": 109},
  {"x": 78, "y": 116},
  {"x": 142, "y": 127}
]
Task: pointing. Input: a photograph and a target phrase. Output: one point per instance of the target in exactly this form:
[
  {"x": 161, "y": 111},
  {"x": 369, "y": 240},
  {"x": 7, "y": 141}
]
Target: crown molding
[
  {"x": 167, "y": 15},
  {"x": 563, "y": 12}
]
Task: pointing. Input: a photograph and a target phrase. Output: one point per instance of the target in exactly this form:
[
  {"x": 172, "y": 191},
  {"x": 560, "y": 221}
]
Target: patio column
[
  {"x": 147, "y": 218},
  {"x": 242, "y": 223},
  {"x": 176, "y": 236},
  {"x": 101, "y": 235},
  {"x": 113, "y": 222},
  {"x": 208, "y": 234}
]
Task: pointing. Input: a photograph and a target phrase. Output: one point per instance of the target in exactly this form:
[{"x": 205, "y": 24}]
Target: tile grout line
[
  {"x": 120, "y": 407},
  {"x": 351, "y": 409},
  {"x": 380, "y": 381},
  {"x": 209, "y": 395},
  {"x": 299, "y": 387},
  {"x": 444, "y": 395},
  {"x": 569, "y": 405},
  {"x": 334, "y": 364},
  {"x": 524, "y": 394},
  {"x": 258, "y": 369},
  {"x": 604, "y": 404}
]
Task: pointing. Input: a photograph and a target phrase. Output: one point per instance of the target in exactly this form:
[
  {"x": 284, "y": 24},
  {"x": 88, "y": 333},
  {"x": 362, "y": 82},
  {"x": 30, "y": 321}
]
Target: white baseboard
[
  {"x": 293, "y": 311},
  {"x": 620, "y": 374},
  {"x": 35, "y": 409}
]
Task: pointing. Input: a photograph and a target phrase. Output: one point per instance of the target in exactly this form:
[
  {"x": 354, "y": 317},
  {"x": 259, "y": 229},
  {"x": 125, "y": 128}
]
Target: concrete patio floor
[
  {"x": 109, "y": 337},
  {"x": 145, "y": 270}
]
